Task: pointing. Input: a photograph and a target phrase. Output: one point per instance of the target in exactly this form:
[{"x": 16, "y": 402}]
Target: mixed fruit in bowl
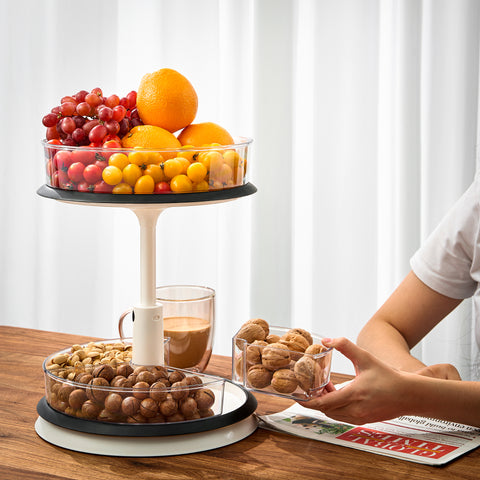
[{"x": 143, "y": 143}]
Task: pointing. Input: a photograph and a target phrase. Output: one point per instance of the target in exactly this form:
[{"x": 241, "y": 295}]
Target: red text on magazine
[{"x": 396, "y": 443}]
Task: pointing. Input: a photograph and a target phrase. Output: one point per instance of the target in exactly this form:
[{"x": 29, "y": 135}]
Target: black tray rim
[
  {"x": 47, "y": 191},
  {"x": 60, "y": 419}
]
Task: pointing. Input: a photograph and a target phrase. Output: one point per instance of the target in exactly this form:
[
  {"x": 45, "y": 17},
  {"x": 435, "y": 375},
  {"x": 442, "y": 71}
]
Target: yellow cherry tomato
[
  {"x": 112, "y": 175},
  {"x": 200, "y": 186},
  {"x": 145, "y": 184},
  {"x": 131, "y": 173},
  {"x": 196, "y": 172},
  {"x": 188, "y": 154},
  {"x": 231, "y": 157},
  {"x": 184, "y": 163},
  {"x": 156, "y": 172},
  {"x": 155, "y": 158},
  {"x": 181, "y": 184},
  {"x": 139, "y": 158},
  {"x": 122, "y": 188},
  {"x": 119, "y": 160},
  {"x": 212, "y": 160},
  {"x": 172, "y": 168},
  {"x": 225, "y": 174}
]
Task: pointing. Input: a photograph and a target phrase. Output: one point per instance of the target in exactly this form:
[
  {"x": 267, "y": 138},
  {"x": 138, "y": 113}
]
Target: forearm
[
  {"x": 387, "y": 343},
  {"x": 455, "y": 401}
]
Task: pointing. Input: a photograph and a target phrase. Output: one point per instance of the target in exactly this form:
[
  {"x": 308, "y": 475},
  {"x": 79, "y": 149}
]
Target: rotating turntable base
[{"x": 136, "y": 440}]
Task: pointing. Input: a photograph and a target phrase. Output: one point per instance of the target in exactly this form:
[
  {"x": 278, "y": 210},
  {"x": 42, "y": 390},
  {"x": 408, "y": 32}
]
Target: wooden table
[{"x": 262, "y": 455}]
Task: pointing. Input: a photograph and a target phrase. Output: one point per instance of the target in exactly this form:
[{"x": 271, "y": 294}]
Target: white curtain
[{"x": 364, "y": 120}]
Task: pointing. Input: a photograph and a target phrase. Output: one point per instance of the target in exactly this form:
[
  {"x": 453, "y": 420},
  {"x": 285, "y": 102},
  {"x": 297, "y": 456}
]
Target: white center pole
[{"x": 148, "y": 337}]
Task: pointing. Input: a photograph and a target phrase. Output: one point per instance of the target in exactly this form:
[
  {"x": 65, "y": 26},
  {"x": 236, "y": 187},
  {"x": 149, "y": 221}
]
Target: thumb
[{"x": 358, "y": 356}]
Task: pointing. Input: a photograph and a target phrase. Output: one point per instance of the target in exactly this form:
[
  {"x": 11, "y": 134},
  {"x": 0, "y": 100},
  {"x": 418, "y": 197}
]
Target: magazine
[{"x": 416, "y": 439}]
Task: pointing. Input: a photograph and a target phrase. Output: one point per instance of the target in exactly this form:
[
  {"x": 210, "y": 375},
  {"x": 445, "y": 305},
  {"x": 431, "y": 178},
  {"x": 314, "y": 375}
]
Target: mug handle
[{"x": 120, "y": 322}]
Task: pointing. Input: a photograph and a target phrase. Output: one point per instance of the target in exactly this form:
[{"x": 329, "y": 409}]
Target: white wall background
[{"x": 364, "y": 120}]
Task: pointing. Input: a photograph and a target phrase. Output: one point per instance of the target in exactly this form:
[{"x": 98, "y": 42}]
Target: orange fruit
[
  {"x": 166, "y": 99},
  {"x": 152, "y": 138},
  {"x": 198, "y": 134}
]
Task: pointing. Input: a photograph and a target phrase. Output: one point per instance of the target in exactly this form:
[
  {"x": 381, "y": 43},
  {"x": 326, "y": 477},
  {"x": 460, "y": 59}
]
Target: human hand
[
  {"x": 444, "y": 371},
  {"x": 377, "y": 392}
]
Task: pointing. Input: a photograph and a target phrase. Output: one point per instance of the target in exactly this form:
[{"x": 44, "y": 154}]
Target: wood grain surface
[{"x": 262, "y": 455}]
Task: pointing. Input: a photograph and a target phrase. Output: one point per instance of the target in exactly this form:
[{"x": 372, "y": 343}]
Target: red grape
[
  {"x": 112, "y": 101},
  {"x": 68, "y": 98},
  {"x": 112, "y": 126},
  {"x": 90, "y": 124},
  {"x": 50, "y": 120},
  {"x": 80, "y": 96},
  {"x": 132, "y": 99},
  {"x": 84, "y": 109},
  {"x": 119, "y": 113},
  {"x": 93, "y": 100},
  {"x": 52, "y": 133},
  {"x": 68, "y": 125},
  {"x": 68, "y": 109},
  {"x": 79, "y": 121},
  {"x": 97, "y": 133},
  {"x": 79, "y": 135},
  {"x": 105, "y": 114}
]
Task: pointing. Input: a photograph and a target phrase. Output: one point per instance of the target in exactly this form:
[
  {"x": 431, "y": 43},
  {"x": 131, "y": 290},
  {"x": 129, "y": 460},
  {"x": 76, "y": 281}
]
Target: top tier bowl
[{"x": 138, "y": 172}]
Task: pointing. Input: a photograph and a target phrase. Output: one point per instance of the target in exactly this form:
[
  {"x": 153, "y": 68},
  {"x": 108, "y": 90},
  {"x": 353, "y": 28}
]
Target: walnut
[
  {"x": 259, "y": 376},
  {"x": 303, "y": 333},
  {"x": 294, "y": 342},
  {"x": 254, "y": 352},
  {"x": 250, "y": 332},
  {"x": 205, "y": 398},
  {"x": 315, "y": 348},
  {"x": 275, "y": 356},
  {"x": 272, "y": 338},
  {"x": 307, "y": 371},
  {"x": 262, "y": 323},
  {"x": 284, "y": 381}
]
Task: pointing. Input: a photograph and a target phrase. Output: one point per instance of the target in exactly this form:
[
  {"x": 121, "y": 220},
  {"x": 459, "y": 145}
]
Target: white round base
[{"x": 118, "y": 446}]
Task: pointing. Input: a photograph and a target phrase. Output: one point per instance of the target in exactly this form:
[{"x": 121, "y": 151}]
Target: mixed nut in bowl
[
  {"x": 288, "y": 362},
  {"x": 97, "y": 381}
]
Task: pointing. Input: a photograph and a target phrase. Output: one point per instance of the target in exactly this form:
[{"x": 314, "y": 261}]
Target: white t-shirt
[{"x": 449, "y": 260}]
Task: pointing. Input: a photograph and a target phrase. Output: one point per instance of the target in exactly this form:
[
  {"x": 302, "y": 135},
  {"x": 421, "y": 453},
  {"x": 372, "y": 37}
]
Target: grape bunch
[{"x": 91, "y": 119}]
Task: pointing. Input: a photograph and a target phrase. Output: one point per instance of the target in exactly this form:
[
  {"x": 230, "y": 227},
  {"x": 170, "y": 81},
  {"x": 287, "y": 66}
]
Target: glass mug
[{"x": 188, "y": 321}]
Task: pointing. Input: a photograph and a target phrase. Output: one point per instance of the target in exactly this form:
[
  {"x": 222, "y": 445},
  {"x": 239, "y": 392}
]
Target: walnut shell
[
  {"x": 250, "y": 332},
  {"x": 275, "y": 356},
  {"x": 307, "y": 372},
  {"x": 284, "y": 381},
  {"x": 262, "y": 323},
  {"x": 272, "y": 338},
  {"x": 316, "y": 348},
  {"x": 254, "y": 352},
  {"x": 294, "y": 342},
  {"x": 259, "y": 376},
  {"x": 304, "y": 333}
]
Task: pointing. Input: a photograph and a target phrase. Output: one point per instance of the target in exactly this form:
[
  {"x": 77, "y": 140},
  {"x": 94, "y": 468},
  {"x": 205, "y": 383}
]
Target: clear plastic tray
[
  {"x": 87, "y": 382},
  {"x": 277, "y": 371},
  {"x": 83, "y": 169}
]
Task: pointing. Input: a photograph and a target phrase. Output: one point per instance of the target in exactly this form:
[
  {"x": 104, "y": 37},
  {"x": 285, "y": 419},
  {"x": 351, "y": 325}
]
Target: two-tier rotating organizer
[{"x": 234, "y": 422}]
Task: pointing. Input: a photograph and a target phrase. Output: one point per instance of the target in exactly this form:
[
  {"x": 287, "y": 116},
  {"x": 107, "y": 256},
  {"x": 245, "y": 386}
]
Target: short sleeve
[{"x": 448, "y": 261}]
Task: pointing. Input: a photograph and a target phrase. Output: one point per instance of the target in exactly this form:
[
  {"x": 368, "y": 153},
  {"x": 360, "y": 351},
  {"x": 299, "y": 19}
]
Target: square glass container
[{"x": 278, "y": 371}]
